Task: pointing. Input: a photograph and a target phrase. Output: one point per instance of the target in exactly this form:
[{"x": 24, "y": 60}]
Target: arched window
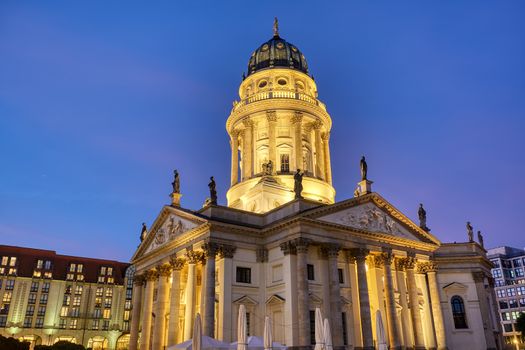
[{"x": 458, "y": 312}]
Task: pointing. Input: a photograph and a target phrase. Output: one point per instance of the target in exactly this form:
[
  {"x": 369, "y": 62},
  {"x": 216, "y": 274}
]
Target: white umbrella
[
  {"x": 268, "y": 339},
  {"x": 207, "y": 343},
  {"x": 380, "y": 332},
  {"x": 319, "y": 332},
  {"x": 197, "y": 334},
  {"x": 256, "y": 343},
  {"x": 241, "y": 329},
  {"x": 327, "y": 335}
]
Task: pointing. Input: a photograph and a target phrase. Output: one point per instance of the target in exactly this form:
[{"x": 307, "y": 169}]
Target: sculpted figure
[
  {"x": 269, "y": 168},
  {"x": 213, "y": 191},
  {"x": 364, "y": 168},
  {"x": 298, "y": 184},
  {"x": 470, "y": 232},
  {"x": 176, "y": 182},
  {"x": 480, "y": 240},
  {"x": 144, "y": 232},
  {"x": 422, "y": 217}
]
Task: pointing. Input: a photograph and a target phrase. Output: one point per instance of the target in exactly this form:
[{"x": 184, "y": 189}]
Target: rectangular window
[
  {"x": 107, "y": 302},
  {"x": 99, "y": 292},
  {"x": 516, "y": 262},
  {"x": 67, "y": 300},
  {"x": 95, "y": 325},
  {"x": 345, "y": 333},
  {"x": 513, "y": 303},
  {"x": 34, "y": 286},
  {"x": 64, "y": 311},
  {"x": 244, "y": 275},
  {"x": 285, "y": 163},
  {"x": 47, "y": 265},
  {"x": 32, "y": 298},
  {"x": 310, "y": 272},
  {"x": 503, "y": 305},
  {"x": 41, "y": 311},
  {"x": 3, "y": 320},
  {"x": 28, "y": 322},
  {"x": 39, "y": 322},
  {"x": 501, "y": 293},
  {"x": 72, "y": 267},
  {"x": 127, "y": 305},
  {"x": 97, "y": 313},
  {"x": 37, "y": 274},
  {"x": 125, "y": 326},
  {"x": 109, "y": 292},
  {"x": 127, "y": 314},
  {"x": 9, "y": 284},
  {"x": 75, "y": 312},
  {"x": 73, "y": 324},
  {"x": 519, "y": 272},
  {"x": 507, "y": 327},
  {"x": 521, "y": 290},
  {"x": 30, "y": 310},
  {"x": 496, "y": 273},
  {"x": 12, "y": 262},
  {"x": 505, "y": 316},
  {"x": 62, "y": 323},
  {"x": 248, "y": 324},
  {"x": 107, "y": 313},
  {"x": 312, "y": 327},
  {"x": 5, "y": 259},
  {"x": 511, "y": 292},
  {"x": 105, "y": 325},
  {"x": 76, "y": 301},
  {"x": 45, "y": 287},
  {"x": 4, "y": 309},
  {"x": 78, "y": 290},
  {"x": 80, "y": 267},
  {"x": 43, "y": 299},
  {"x": 110, "y": 271},
  {"x": 103, "y": 270},
  {"x": 341, "y": 276},
  {"x": 100, "y": 279},
  {"x": 70, "y": 277},
  {"x": 7, "y": 297},
  {"x": 39, "y": 264},
  {"x": 111, "y": 280}
]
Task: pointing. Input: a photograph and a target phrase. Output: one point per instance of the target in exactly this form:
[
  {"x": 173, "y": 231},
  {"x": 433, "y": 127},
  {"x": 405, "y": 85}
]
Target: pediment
[
  {"x": 275, "y": 299},
  {"x": 376, "y": 215},
  {"x": 246, "y": 300},
  {"x": 170, "y": 224},
  {"x": 455, "y": 288}
]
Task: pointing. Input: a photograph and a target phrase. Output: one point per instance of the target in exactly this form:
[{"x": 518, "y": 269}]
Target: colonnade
[
  {"x": 246, "y": 138},
  {"x": 384, "y": 287},
  {"x": 159, "y": 322}
]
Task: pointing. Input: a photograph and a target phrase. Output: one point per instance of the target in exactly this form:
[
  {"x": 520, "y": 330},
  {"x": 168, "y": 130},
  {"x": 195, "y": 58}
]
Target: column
[
  {"x": 419, "y": 341},
  {"x": 435, "y": 300},
  {"x": 406, "y": 326},
  {"x": 173, "y": 328},
  {"x": 159, "y": 328},
  {"x": 210, "y": 250},
  {"x": 151, "y": 277},
  {"x": 290, "y": 293},
  {"x": 138, "y": 283},
  {"x": 247, "y": 150},
  {"x": 324, "y": 278},
  {"x": 336, "y": 322},
  {"x": 298, "y": 142},
  {"x": 235, "y": 157},
  {"x": 193, "y": 257},
  {"x": 327, "y": 164},
  {"x": 394, "y": 333},
  {"x": 426, "y": 314},
  {"x": 354, "y": 290},
  {"x": 364, "y": 301},
  {"x": 272, "y": 151},
  {"x": 226, "y": 253},
  {"x": 319, "y": 152},
  {"x": 303, "y": 308}
]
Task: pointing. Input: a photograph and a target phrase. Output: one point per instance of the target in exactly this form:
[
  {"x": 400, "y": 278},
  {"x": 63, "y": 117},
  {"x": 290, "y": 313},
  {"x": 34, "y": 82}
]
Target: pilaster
[{"x": 298, "y": 142}]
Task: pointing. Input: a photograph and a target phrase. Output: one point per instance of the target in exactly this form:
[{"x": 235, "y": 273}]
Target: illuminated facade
[
  {"x": 46, "y": 297},
  {"x": 283, "y": 256}
]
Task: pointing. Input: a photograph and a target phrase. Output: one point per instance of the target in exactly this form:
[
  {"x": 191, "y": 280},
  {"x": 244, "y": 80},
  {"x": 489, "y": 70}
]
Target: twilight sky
[{"x": 100, "y": 101}]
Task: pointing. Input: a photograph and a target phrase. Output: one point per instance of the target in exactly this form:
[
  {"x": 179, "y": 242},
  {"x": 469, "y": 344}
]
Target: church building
[{"x": 283, "y": 246}]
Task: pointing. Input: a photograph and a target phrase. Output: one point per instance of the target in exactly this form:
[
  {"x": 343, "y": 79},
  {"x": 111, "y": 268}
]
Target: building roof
[
  {"x": 277, "y": 52},
  {"x": 27, "y": 261},
  {"x": 505, "y": 252}
]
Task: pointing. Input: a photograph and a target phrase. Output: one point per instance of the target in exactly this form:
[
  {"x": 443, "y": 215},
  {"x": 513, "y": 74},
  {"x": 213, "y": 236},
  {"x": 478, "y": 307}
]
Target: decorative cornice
[
  {"x": 262, "y": 255},
  {"x": 247, "y": 123}
]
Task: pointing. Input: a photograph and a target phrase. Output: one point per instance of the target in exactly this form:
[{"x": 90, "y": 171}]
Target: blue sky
[{"x": 100, "y": 101}]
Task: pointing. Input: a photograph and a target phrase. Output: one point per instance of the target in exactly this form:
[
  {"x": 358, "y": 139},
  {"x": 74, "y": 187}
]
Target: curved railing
[{"x": 278, "y": 94}]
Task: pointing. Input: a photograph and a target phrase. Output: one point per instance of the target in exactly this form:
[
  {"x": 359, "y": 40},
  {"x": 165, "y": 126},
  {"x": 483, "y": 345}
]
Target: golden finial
[{"x": 275, "y": 27}]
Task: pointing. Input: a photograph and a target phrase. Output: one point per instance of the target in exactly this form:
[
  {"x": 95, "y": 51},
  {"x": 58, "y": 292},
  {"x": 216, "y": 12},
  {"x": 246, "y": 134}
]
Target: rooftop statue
[
  {"x": 480, "y": 240},
  {"x": 470, "y": 232},
  {"x": 176, "y": 182},
  {"x": 298, "y": 184},
  {"x": 422, "y": 214},
  {"x": 213, "y": 191},
  {"x": 275, "y": 27},
  {"x": 364, "y": 168},
  {"x": 143, "y": 232}
]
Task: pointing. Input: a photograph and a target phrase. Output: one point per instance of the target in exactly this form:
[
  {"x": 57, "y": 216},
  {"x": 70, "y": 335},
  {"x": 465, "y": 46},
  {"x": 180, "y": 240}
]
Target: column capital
[
  {"x": 407, "y": 263},
  {"x": 234, "y": 133},
  {"x": 194, "y": 256},
  {"x": 383, "y": 259},
  {"x": 226, "y": 251},
  {"x": 325, "y": 136},
  {"x": 359, "y": 254},
  {"x": 247, "y": 123},
  {"x": 301, "y": 244},
  {"x": 164, "y": 270},
  {"x": 478, "y": 276},
  {"x": 139, "y": 280},
  {"x": 262, "y": 254},
  {"x": 329, "y": 250},
  {"x": 317, "y": 125},
  {"x": 297, "y": 117},
  {"x": 150, "y": 275},
  {"x": 177, "y": 263},
  {"x": 210, "y": 249},
  {"x": 271, "y": 116},
  {"x": 288, "y": 247},
  {"x": 425, "y": 267}
]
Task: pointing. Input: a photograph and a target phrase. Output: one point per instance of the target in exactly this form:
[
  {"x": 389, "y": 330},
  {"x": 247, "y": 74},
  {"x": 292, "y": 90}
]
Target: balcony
[{"x": 266, "y": 95}]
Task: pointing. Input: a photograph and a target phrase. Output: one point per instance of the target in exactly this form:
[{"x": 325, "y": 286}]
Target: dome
[{"x": 277, "y": 52}]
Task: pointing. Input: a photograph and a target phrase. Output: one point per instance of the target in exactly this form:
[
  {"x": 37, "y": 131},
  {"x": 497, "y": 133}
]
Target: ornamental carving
[
  {"x": 164, "y": 270},
  {"x": 175, "y": 228},
  {"x": 160, "y": 237},
  {"x": 425, "y": 267},
  {"x": 297, "y": 117},
  {"x": 359, "y": 254},
  {"x": 301, "y": 244},
  {"x": 407, "y": 263},
  {"x": 478, "y": 276},
  {"x": 139, "y": 280},
  {"x": 288, "y": 248},
  {"x": 210, "y": 249},
  {"x": 271, "y": 116},
  {"x": 150, "y": 275},
  {"x": 177, "y": 263},
  {"x": 329, "y": 250},
  {"x": 226, "y": 251},
  {"x": 383, "y": 259},
  {"x": 194, "y": 256}
]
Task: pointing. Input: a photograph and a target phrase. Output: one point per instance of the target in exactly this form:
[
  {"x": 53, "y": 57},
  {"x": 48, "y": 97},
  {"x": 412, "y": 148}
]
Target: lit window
[
  {"x": 5, "y": 260},
  {"x": 73, "y": 324},
  {"x": 79, "y": 268},
  {"x": 48, "y": 274},
  {"x": 39, "y": 264},
  {"x": 100, "y": 279},
  {"x": 45, "y": 287},
  {"x": 7, "y": 297},
  {"x": 63, "y": 311},
  {"x": 32, "y": 298},
  {"x": 107, "y": 313},
  {"x": 110, "y": 280},
  {"x": 37, "y": 274},
  {"x": 78, "y": 290},
  {"x": 34, "y": 286},
  {"x": 458, "y": 312},
  {"x": 285, "y": 163},
  {"x": 9, "y": 284},
  {"x": 62, "y": 323},
  {"x": 110, "y": 271},
  {"x": 70, "y": 277},
  {"x": 12, "y": 262},
  {"x": 76, "y": 301},
  {"x": 47, "y": 265},
  {"x": 107, "y": 302},
  {"x": 109, "y": 292},
  {"x": 67, "y": 300},
  {"x": 99, "y": 292},
  {"x": 43, "y": 298},
  {"x": 41, "y": 310},
  {"x": 95, "y": 325},
  {"x": 30, "y": 310},
  {"x": 105, "y": 325},
  {"x": 126, "y": 315},
  {"x": 103, "y": 270},
  {"x": 511, "y": 292},
  {"x": 97, "y": 313},
  {"x": 72, "y": 267}
]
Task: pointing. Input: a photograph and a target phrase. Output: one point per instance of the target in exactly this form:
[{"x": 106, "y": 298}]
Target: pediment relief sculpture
[{"x": 172, "y": 227}]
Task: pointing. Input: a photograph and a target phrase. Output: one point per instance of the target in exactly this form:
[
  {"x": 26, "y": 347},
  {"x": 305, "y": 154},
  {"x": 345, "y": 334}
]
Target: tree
[
  {"x": 12, "y": 344},
  {"x": 520, "y": 325}
]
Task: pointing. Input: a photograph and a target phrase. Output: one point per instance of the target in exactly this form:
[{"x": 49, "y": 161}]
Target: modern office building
[
  {"x": 46, "y": 297},
  {"x": 509, "y": 279}
]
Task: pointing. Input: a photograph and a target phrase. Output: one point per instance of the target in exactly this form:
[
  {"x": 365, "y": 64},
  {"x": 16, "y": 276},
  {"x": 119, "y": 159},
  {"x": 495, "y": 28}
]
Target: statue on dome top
[
  {"x": 364, "y": 168},
  {"x": 275, "y": 27}
]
